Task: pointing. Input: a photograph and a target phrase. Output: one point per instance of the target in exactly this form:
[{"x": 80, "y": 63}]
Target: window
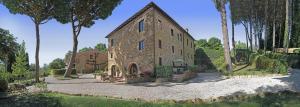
[
  {"x": 112, "y": 42},
  {"x": 173, "y": 63},
  {"x": 141, "y": 45},
  {"x": 178, "y": 36},
  {"x": 159, "y": 44},
  {"x": 181, "y": 52},
  {"x": 159, "y": 24},
  {"x": 111, "y": 55},
  {"x": 160, "y": 61},
  {"x": 172, "y": 49},
  {"x": 91, "y": 56},
  {"x": 172, "y": 32},
  {"x": 141, "y": 25},
  {"x": 187, "y": 42},
  {"x": 191, "y": 44}
]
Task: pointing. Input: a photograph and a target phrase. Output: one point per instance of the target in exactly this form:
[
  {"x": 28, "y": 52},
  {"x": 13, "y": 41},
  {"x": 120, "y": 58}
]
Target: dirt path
[{"x": 205, "y": 86}]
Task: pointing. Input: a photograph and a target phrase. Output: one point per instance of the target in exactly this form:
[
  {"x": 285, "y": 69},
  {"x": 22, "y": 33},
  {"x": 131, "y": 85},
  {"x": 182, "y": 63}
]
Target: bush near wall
[
  {"x": 61, "y": 71},
  {"x": 292, "y": 60},
  {"x": 211, "y": 58},
  {"x": 163, "y": 71},
  {"x": 270, "y": 65}
]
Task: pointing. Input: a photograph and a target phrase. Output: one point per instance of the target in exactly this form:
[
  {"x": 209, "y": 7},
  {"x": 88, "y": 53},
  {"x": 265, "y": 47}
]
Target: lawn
[{"x": 283, "y": 99}]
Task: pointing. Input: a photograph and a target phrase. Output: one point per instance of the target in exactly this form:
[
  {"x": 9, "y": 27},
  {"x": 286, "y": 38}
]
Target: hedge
[
  {"x": 270, "y": 65},
  {"x": 163, "y": 71},
  {"x": 61, "y": 71}
]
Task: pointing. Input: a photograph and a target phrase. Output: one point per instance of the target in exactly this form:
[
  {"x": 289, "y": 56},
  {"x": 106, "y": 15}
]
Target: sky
[{"x": 199, "y": 16}]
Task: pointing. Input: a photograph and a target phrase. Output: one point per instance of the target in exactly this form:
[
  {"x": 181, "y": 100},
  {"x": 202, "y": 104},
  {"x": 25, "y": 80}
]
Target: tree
[
  {"x": 201, "y": 43},
  {"x": 20, "y": 66},
  {"x": 83, "y": 13},
  {"x": 39, "y": 11},
  {"x": 8, "y": 49},
  {"x": 101, "y": 47},
  {"x": 57, "y": 64},
  {"x": 220, "y": 5},
  {"x": 85, "y": 49},
  {"x": 240, "y": 45},
  {"x": 214, "y": 43},
  {"x": 287, "y": 25}
]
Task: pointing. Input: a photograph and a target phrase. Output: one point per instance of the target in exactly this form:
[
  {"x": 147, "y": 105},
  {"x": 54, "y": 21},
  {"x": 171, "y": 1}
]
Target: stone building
[
  {"x": 148, "y": 39},
  {"x": 89, "y": 61}
]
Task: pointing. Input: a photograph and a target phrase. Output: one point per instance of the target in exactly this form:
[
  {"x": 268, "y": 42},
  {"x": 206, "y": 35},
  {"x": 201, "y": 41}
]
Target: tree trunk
[
  {"x": 251, "y": 36},
  {"x": 233, "y": 41},
  {"x": 266, "y": 27},
  {"x": 75, "y": 44},
  {"x": 286, "y": 30},
  {"x": 37, "y": 50},
  {"x": 225, "y": 37},
  {"x": 274, "y": 35}
]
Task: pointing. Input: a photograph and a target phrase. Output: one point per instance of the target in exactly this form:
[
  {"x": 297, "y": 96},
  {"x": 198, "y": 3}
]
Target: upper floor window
[
  {"x": 91, "y": 56},
  {"x": 141, "y": 45},
  {"x": 173, "y": 49},
  {"x": 111, "y": 55},
  {"x": 159, "y": 24},
  {"x": 159, "y": 44},
  {"x": 172, "y": 32},
  {"x": 191, "y": 44},
  {"x": 112, "y": 42},
  {"x": 187, "y": 42},
  {"x": 160, "y": 61},
  {"x": 141, "y": 25},
  {"x": 178, "y": 36}
]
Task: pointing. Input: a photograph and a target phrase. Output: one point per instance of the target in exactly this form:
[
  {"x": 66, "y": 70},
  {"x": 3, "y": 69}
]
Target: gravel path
[{"x": 205, "y": 86}]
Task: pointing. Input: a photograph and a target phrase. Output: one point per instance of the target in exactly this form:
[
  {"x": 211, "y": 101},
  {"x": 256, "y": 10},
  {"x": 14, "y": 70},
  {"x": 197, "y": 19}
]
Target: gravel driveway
[{"x": 205, "y": 86}]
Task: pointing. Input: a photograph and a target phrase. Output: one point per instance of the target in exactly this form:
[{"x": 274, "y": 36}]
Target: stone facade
[
  {"x": 148, "y": 39},
  {"x": 90, "y": 61}
]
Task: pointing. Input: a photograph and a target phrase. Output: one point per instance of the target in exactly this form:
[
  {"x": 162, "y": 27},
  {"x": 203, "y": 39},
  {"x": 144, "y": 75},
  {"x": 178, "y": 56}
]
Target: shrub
[
  {"x": 271, "y": 65},
  {"x": 188, "y": 75},
  {"x": 297, "y": 51},
  {"x": 6, "y": 76},
  {"x": 163, "y": 71},
  {"x": 253, "y": 57},
  {"x": 61, "y": 71},
  {"x": 3, "y": 85}
]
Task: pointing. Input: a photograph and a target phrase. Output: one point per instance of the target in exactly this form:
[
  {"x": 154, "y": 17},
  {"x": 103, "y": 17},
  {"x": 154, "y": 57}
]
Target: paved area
[{"x": 205, "y": 86}]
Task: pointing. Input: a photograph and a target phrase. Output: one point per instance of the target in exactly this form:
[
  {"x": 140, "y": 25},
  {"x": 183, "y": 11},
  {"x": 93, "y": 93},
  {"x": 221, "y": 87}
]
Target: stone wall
[{"x": 126, "y": 40}]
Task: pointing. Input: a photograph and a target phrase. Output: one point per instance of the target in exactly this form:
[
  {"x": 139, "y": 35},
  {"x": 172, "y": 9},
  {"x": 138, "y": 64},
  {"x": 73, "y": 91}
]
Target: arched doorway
[
  {"x": 133, "y": 70},
  {"x": 114, "y": 71}
]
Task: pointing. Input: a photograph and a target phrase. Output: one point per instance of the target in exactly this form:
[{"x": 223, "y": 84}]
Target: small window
[
  {"x": 172, "y": 49},
  {"x": 173, "y": 63},
  {"x": 172, "y": 32},
  {"x": 91, "y": 56},
  {"x": 159, "y": 24},
  {"x": 187, "y": 42},
  {"x": 141, "y": 26},
  {"x": 141, "y": 45},
  {"x": 191, "y": 44},
  {"x": 181, "y": 52},
  {"x": 159, "y": 44},
  {"x": 160, "y": 61},
  {"x": 111, "y": 55},
  {"x": 178, "y": 36},
  {"x": 112, "y": 42}
]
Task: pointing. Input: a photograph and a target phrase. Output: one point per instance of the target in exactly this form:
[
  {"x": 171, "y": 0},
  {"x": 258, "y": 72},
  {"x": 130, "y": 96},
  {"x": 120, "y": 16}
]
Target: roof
[{"x": 151, "y": 4}]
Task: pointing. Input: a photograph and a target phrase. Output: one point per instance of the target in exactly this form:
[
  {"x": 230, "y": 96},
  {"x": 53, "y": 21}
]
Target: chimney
[{"x": 187, "y": 30}]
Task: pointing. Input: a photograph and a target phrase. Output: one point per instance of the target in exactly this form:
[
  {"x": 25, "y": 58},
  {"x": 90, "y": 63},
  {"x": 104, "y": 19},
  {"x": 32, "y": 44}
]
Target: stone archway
[{"x": 133, "y": 70}]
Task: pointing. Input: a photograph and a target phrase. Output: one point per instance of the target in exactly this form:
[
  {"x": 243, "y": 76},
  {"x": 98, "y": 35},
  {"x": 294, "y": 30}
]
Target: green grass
[{"x": 283, "y": 99}]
